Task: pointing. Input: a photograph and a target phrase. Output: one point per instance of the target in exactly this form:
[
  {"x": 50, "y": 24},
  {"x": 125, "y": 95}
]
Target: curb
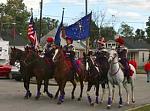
[{"x": 137, "y": 107}]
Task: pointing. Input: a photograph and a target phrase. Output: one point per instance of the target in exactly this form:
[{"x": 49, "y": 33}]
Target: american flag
[{"x": 32, "y": 33}]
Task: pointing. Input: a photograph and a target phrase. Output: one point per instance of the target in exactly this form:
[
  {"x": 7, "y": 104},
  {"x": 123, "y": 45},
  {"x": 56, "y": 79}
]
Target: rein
[
  {"x": 25, "y": 62},
  {"x": 114, "y": 63},
  {"x": 29, "y": 62}
]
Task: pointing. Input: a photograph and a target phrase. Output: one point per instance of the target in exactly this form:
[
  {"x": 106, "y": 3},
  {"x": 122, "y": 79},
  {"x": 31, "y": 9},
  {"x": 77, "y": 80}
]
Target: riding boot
[{"x": 128, "y": 78}]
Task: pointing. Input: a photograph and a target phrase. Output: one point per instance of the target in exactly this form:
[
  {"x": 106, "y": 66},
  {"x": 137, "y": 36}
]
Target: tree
[
  {"x": 126, "y": 30},
  {"x": 94, "y": 35},
  {"x": 148, "y": 30},
  {"x": 47, "y": 25},
  {"x": 140, "y": 34},
  {"x": 16, "y": 16},
  {"x": 108, "y": 32}
]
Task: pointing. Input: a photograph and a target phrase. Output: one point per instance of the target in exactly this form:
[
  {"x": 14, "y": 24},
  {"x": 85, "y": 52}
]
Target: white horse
[{"x": 116, "y": 77}]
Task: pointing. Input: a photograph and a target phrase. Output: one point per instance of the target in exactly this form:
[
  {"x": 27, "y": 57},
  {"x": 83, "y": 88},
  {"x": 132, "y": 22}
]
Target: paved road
[{"x": 12, "y": 92}]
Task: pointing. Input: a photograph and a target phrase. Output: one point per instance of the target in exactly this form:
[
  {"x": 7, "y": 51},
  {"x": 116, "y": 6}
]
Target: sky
[{"x": 133, "y": 12}]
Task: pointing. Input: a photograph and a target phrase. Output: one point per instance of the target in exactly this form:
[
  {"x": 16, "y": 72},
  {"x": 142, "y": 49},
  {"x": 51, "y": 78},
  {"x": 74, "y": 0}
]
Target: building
[
  {"x": 18, "y": 41},
  {"x": 139, "y": 49}
]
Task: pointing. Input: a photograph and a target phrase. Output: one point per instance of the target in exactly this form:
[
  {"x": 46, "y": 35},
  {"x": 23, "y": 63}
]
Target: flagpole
[
  {"x": 41, "y": 7},
  {"x": 87, "y": 41},
  {"x": 62, "y": 15},
  {"x": 31, "y": 11}
]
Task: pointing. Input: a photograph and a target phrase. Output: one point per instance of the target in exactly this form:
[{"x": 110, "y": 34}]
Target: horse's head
[
  {"x": 29, "y": 55},
  {"x": 58, "y": 55},
  {"x": 88, "y": 61},
  {"x": 90, "y": 66},
  {"x": 113, "y": 55},
  {"x": 15, "y": 55}
]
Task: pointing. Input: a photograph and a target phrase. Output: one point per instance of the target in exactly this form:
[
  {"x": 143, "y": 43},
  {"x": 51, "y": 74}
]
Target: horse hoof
[
  {"x": 101, "y": 102},
  {"x": 59, "y": 102},
  {"x": 55, "y": 97},
  {"x": 128, "y": 103},
  {"x": 96, "y": 102},
  {"x": 30, "y": 94},
  {"x": 92, "y": 104},
  {"x": 108, "y": 106},
  {"x": 133, "y": 101},
  {"x": 50, "y": 95},
  {"x": 120, "y": 105},
  {"x": 25, "y": 97},
  {"x": 37, "y": 97},
  {"x": 79, "y": 99},
  {"x": 73, "y": 97}
]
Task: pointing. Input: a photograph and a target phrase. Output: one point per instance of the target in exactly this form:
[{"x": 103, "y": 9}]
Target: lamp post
[
  {"x": 14, "y": 30},
  {"x": 41, "y": 7},
  {"x": 87, "y": 41},
  {"x": 1, "y": 22}
]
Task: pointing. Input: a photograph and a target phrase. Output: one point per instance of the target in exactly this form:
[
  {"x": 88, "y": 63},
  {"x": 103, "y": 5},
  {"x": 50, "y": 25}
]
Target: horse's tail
[{"x": 132, "y": 68}]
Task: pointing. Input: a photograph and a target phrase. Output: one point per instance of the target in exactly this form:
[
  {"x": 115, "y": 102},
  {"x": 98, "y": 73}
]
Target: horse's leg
[
  {"x": 88, "y": 93},
  {"x": 120, "y": 94},
  {"x": 113, "y": 93},
  {"x": 39, "y": 83},
  {"x": 132, "y": 90},
  {"x": 127, "y": 91},
  {"x": 56, "y": 95},
  {"x": 26, "y": 86},
  {"x": 46, "y": 88},
  {"x": 109, "y": 103},
  {"x": 103, "y": 92},
  {"x": 97, "y": 92},
  {"x": 74, "y": 87},
  {"x": 81, "y": 86},
  {"x": 62, "y": 93}
]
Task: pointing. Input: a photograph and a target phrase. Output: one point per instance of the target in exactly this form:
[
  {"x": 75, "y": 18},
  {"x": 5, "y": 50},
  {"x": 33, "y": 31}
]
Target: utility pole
[
  {"x": 87, "y": 41},
  {"x": 41, "y": 7},
  {"x": 1, "y": 23}
]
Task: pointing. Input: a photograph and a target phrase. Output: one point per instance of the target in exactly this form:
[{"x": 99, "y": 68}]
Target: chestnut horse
[
  {"x": 32, "y": 65},
  {"x": 63, "y": 73}
]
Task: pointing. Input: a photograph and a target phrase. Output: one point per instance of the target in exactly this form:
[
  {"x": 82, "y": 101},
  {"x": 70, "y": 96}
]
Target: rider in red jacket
[
  {"x": 147, "y": 69},
  {"x": 122, "y": 54}
]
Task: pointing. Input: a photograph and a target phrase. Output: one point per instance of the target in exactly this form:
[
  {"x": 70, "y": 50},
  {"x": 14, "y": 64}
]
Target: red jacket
[{"x": 147, "y": 66}]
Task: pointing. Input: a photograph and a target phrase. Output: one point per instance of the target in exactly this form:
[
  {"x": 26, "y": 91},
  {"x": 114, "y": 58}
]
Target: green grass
[{"x": 144, "y": 108}]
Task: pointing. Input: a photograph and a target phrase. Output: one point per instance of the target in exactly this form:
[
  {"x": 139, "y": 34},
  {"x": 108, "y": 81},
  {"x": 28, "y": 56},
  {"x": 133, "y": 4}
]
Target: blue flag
[
  {"x": 57, "y": 36},
  {"x": 81, "y": 29}
]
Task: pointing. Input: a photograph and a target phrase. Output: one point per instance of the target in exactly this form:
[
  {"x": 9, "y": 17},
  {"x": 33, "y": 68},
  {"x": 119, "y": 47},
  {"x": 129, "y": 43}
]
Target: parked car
[
  {"x": 5, "y": 70},
  {"x": 15, "y": 72}
]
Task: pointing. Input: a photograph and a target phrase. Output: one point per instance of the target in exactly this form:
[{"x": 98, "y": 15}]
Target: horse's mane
[
  {"x": 60, "y": 50},
  {"x": 18, "y": 51}
]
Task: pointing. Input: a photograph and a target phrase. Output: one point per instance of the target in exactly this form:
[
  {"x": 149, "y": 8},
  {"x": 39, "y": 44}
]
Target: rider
[
  {"x": 122, "y": 54},
  {"x": 102, "y": 55},
  {"x": 69, "y": 51},
  {"x": 101, "y": 52},
  {"x": 49, "y": 48}
]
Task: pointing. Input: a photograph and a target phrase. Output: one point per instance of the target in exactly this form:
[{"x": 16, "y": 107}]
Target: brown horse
[
  {"x": 63, "y": 73},
  {"x": 32, "y": 65}
]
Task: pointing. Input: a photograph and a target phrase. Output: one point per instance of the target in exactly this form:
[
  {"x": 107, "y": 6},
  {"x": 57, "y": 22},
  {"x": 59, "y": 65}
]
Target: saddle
[
  {"x": 75, "y": 66},
  {"x": 130, "y": 70}
]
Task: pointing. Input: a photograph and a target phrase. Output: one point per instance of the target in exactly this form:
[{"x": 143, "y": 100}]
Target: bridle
[
  {"x": 112, "y": 63},
  {"x": 25, "y": 60}
]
